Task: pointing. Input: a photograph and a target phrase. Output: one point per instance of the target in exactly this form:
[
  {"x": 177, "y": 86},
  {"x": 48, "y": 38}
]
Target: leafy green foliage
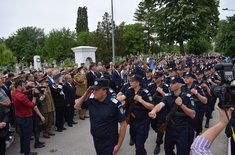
[
  {"x": 26, "y": 42},
  {"x": 6, "y": 56},
  {"x": 82, "y": 20},
  {"x": 225, "y": 39},
  {"x": 179, "y": 21},
  {"x": 145, "y": 15},
  {"x": 134, "y": 39},
  {"x": 58, "y": 44},
  {"x": 198, "y": 46}
]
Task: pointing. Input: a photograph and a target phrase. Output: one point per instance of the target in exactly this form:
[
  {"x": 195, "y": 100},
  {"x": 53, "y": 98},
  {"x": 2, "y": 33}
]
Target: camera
[
  {"x": 225, "y": 92},
  {"x": 225, "y": 72},
  {"x": 39, "y": 88}
]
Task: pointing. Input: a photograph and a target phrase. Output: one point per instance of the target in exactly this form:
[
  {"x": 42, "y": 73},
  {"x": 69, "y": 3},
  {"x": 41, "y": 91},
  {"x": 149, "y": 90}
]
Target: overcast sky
[{"x": 49, "y": 14}]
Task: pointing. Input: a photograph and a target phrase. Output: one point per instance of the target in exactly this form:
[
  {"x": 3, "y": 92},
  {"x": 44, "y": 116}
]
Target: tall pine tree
[
  {"x": 145, "y": 15},
  {"x": 82, "y": 20}
]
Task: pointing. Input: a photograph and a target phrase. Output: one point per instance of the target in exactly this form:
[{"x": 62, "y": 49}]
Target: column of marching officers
[{"x": 177, "y": 96}]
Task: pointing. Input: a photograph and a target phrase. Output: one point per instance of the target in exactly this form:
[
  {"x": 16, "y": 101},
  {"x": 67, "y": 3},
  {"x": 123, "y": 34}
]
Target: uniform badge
[
  {"x": 95, "y": 83},
  {"x": 121, "y": 110}
]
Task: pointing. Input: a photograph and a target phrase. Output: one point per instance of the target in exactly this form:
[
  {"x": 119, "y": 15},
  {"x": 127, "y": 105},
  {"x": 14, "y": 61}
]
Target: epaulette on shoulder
[
  {"x": 129, "y": 88},
  {"x": 168, "y": 94},
  {"x": 111, "y": 90},
  {"x": 150, "y": 84},
  {"x": 145, "y": 90},
  {"x": 166, "y": 85},
  {"x": 125, "y": 83},
  {"x": 188, "y": 95},
  {"x": 115, "y": 101}
]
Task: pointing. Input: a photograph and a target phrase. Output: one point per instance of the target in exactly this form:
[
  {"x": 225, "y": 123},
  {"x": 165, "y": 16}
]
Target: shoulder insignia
[
  {"x": 166, "y": 85},
  {"x": 168, "y": 94},
  {"x": 150, "y": 84},
  {"x": 114, "y": 100},
  {"x": 188, "y": 95},
  {"x": 145, "y": 90},
  {"x": 129, "y": 88}
]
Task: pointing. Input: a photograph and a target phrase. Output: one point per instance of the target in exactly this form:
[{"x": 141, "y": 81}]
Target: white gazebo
[{"x": 84, "y": 54}]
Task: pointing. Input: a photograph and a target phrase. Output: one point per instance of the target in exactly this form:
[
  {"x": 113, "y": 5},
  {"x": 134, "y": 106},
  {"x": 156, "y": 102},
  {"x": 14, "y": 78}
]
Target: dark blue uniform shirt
[
  {"x": 104, "y": 116},
  {"x": 179, "y": 118},
  {"x": 135, "y": 107}
]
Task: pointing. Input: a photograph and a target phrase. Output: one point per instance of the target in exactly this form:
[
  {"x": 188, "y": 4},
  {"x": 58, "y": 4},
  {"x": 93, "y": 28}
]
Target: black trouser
[
  {"x": 69, "y": 113},
  {"x": 105, "y": 146},
  {"x": 2, "y": 145},
  {"x": 59, "y": 120},
  {"x": 210, "y": 106},
  {"x": 139, "y": 130},
  {"x": 178, "y": 137},
  {"x": 26, "y": 128},
  {"x": 197, "y": 121}
]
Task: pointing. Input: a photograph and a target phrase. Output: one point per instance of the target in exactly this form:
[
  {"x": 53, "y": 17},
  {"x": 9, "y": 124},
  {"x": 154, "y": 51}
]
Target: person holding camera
[{"x": 23, "y": 110}]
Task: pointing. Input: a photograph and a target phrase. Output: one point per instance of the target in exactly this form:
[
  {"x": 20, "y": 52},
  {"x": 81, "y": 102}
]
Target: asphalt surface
[{"x": 77, "y": 140}]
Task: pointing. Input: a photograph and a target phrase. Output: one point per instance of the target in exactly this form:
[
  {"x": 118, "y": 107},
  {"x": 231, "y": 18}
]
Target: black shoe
[
  {"x": 70, "y": 125},
  {"x": 82, "y": 118},
  {"x": 63, "y": 128},
  {"x": 207, "y": 123},
  {"x": 59, "y": 130},
  {"x": 41, "y": 143},
  {"x": 39, "y": 146},
  {"x": 74, "y": 122},
  {"x": 131, "y": 142},
  {"x": 157, "y": 149},
  {"x": 33, "y": 153}
]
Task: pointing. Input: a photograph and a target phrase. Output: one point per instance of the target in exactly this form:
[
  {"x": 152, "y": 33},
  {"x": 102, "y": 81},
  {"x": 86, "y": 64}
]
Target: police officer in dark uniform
[
  {"x": 181, "y": 107},
  {"x": 200, "y": 101},
  {"x": 148, "y": 78},
  {"x": 140, "y": 103},
  {"x": 206, "y": 88},
  {"x": 158, "y": 89},
  {"x": 105, "y": 113},
  {"x": 199, "y": 97}
]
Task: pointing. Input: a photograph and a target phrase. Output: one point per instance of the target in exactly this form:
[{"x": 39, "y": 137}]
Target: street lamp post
[
  {"x": 113, "y": 42},
  {"x": 227, "y": 9}
]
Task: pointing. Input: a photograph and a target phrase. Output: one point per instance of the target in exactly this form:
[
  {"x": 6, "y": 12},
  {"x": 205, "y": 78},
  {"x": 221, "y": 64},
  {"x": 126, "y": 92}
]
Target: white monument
[
  {"x": 84, "y": 55},
  {"x": 37, "y": 62}
]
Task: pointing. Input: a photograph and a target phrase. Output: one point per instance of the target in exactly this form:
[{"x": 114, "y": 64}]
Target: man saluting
[{"x": 105, "y": 113}]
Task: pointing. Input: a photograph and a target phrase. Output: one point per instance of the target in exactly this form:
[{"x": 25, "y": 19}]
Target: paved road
[{"x": 78, "y": 141}]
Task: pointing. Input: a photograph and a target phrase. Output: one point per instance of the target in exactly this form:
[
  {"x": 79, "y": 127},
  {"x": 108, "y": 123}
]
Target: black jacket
[
  {"x": 3, "y": 118},
  {"x": 70, "y": 93}
]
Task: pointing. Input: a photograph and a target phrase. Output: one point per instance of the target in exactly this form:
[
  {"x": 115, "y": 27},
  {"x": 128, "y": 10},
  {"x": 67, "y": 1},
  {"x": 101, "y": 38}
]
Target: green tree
[
  {"x": 180, "y": 21},
  {"x": 225, "y": 39},
  {"x": 25, "y": 42},
  {"x": 86, "y": 39},
  {"x": 134, "y": 39},
  {"x": 145, "y": 15},
  {"x": 82, "y": 20},
  {"x": 58, "y": 44},
  {"x": 199, "y": 46},
  {"x": 6, "y": 56},
  {"x": 103, "y": 39}
]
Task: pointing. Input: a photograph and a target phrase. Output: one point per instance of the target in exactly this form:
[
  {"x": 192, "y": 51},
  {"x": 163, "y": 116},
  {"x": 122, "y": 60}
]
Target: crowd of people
[{"x": 172, "y": 98}]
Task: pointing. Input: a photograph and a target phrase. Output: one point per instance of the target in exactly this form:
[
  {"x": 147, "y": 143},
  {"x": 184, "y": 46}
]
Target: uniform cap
[
  {"x": 190, "y": 74},
  {"x": 100, "y": 83},
  {"x": 158, "y": 74},
  {"x": 136, "y": 77},
  {"x": 177, "y": 79}
]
